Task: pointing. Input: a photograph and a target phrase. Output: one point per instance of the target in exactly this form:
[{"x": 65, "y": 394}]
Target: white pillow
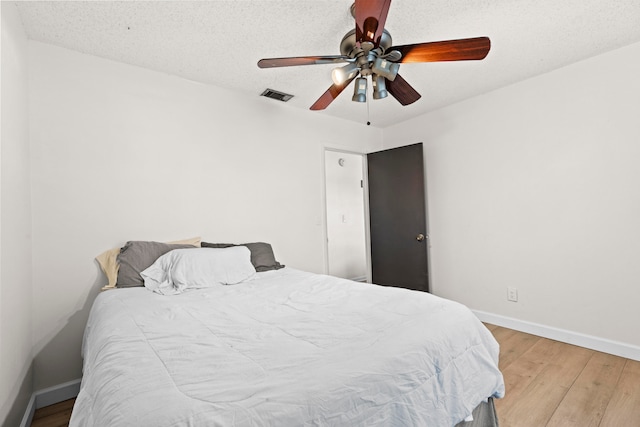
[{"x": 182, "y": 269}]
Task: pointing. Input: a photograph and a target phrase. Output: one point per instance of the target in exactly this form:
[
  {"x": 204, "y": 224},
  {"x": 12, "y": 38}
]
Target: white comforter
[{"x": 287, "y": 348}]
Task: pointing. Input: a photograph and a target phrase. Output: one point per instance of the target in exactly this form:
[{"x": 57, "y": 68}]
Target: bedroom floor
[{"x": 548, "y": 383}]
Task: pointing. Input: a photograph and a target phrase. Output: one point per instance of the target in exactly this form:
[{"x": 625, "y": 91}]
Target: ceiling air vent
[{"x": 274, "y": 94}]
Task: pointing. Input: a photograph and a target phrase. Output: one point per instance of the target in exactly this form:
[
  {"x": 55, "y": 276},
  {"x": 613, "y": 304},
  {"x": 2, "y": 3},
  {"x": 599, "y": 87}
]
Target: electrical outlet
[{"x": 512, "y": 294}]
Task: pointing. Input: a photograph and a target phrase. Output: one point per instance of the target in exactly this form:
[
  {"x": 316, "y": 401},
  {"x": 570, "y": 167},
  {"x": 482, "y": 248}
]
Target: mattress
[{"x": 286, "y": 348}]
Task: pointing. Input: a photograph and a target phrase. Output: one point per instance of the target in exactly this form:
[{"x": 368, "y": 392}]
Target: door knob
[{"x": 420, "y": 237}]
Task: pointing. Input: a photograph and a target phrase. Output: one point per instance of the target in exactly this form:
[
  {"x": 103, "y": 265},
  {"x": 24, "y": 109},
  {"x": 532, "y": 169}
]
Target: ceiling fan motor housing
[
  {"x": 364, "y": 53},
  {"x": 349, "y": 46}
]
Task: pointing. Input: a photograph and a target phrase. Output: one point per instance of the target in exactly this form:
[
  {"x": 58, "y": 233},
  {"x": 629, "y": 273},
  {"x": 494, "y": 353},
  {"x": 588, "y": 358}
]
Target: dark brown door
[{"x": 398, "y": 218}]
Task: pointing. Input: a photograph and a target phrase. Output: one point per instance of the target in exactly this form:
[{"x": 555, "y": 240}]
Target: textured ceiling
[{"x": 220, "y": 42}]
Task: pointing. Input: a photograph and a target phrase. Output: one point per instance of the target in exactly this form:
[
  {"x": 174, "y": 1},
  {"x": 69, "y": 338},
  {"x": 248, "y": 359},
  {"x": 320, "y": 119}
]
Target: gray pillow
[
  {"x": 262, "y": 256},
  {"x": 137, "y": 256}
]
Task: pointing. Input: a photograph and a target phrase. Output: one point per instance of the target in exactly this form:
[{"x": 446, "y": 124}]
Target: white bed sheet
[{"x": 287, "y": 348}]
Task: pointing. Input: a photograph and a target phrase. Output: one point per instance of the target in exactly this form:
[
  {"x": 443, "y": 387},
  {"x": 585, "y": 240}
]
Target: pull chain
[{"x": 368, "y": 122}]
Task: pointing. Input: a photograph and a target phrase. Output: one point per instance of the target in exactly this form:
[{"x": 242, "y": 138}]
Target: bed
[{"x": 281, "y": 347}]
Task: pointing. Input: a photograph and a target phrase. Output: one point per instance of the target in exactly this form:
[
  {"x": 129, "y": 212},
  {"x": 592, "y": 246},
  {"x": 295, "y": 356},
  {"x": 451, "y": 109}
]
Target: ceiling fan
[{"x": 368, "y": 52}]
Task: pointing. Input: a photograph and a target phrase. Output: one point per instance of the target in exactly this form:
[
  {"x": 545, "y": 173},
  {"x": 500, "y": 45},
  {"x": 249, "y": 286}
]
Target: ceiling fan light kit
[
  {"x": 370, "y": 54},
  {"x": 360, "y": 91},
  {"x": 379, "y": 87},
  {"x": 383, "y": 68},
  {"x": 347, "y": 72}
]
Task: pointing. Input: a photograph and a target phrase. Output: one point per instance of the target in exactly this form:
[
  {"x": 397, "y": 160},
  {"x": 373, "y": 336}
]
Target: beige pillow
[{"x": 108, "y": 261}]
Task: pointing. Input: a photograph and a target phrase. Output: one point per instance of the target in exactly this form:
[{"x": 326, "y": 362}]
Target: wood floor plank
[
  {"x": 513, "y": 347},
  {"x": 624, "y": 406},
  {"x": 57, "y": 415},
  {"x": 586, "y": 401},
  {"x": 539, "y": 400},
  {"x": 501, "y": 334},
  {"x": 53, "y": 409},
  {"x": 518, "y": 376}
]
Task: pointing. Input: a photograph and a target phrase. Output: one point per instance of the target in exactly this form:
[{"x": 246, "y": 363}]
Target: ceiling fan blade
[
  {"x": 331, "y": 94},
  {"x": 371, "y": 16},
  {"x": 450, "y": 50},
  {"x": 402, "y": 91},
  {"x": 301, "y": 60}
]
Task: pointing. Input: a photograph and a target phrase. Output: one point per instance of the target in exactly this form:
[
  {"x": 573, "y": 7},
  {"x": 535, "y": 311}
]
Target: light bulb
[{"x": 343, "y": 74}]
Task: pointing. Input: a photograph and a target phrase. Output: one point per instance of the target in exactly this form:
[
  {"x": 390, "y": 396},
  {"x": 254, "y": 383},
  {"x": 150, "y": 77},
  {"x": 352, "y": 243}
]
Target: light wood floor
[
  {"x": 548, "y": 384},
  {"x": 57, "y": 415}
]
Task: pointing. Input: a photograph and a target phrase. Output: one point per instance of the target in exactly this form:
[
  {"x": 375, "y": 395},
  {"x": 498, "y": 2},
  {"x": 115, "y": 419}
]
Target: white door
[{"x": 346, "y": 236}]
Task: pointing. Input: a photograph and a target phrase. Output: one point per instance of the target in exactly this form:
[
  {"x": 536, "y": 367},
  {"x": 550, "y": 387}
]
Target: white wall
[
  {"x": 536, "y": 186},
  {"x": 122, "y": 153},
  {"x": 15, "y": 224}
]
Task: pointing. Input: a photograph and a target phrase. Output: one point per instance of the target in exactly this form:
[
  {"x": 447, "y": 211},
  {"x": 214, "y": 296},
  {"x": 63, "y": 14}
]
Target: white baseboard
[
  {"x": 56, "y": 394},
  {"x": 28, "y": 413},
  {"x": 604, "y": 345},
  {"x": 49, "y": 396}
]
